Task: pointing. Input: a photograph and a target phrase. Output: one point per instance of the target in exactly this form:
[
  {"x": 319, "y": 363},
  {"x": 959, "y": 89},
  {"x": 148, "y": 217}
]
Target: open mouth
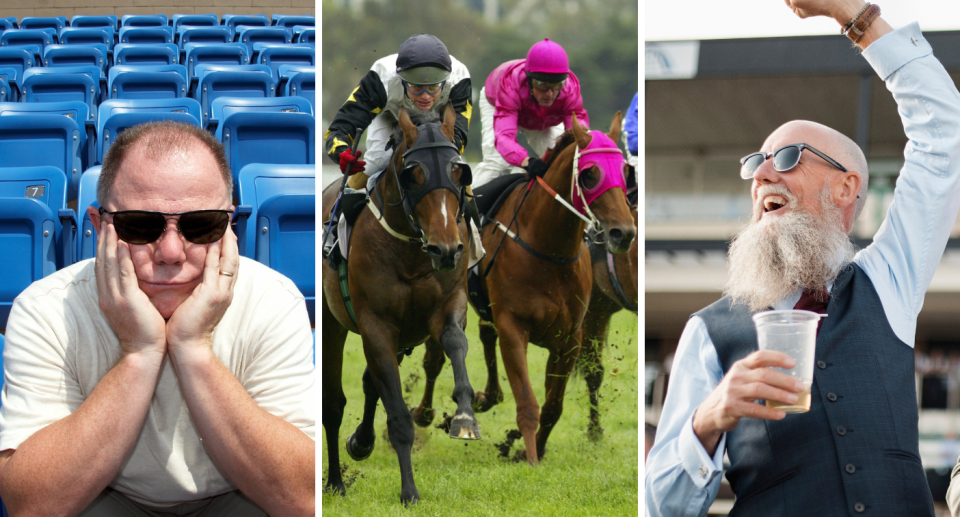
[{"x": 774, "y": 203}]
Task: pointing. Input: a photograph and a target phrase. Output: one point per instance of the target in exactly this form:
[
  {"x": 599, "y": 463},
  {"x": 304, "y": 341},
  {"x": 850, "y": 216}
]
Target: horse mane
[{"x": 563, "y": 142}]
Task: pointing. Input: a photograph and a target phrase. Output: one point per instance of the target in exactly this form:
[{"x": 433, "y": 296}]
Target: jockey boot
[
  {"x": 470, "y": 208},
  {"x": 358, "y": 181}
]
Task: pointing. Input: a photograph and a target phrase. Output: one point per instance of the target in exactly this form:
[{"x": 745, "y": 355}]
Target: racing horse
[
  {"x": 535, "y": 285},
  {"x": 406, "y": 283},
  {"x": 615, "y": 288}
]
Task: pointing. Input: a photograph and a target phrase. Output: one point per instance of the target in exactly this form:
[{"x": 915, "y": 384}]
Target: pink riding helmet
[
  {"x": 608, "y": 158},
  {"x": 547, "y": 57}
]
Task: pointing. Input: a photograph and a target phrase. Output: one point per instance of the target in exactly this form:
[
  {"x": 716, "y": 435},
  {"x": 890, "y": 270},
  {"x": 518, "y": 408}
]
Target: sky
[{"x": 719, "y": 19}]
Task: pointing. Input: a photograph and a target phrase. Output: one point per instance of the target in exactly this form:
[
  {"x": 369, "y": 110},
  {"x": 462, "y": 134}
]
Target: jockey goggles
[
  {"x": 784, "y": 159},
  {"x": 417, "y": 90},
  {"x": 144, "y": 227},
  {"x": 544, "y": 86}
]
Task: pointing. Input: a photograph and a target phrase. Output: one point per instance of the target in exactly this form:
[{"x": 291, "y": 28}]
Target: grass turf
[{"x": 577, "y": 476}]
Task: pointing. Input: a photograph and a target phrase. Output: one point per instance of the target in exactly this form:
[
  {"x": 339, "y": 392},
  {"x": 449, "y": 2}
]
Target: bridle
[{"x": 436, "y": 156}]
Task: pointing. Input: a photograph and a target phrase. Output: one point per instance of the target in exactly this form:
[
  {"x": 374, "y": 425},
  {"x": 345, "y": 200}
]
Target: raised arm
[{"x": 365, "y": 102}]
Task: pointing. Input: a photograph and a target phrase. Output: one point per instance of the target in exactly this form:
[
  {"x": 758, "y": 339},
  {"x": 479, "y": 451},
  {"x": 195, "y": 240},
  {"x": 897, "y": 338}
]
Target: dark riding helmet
[{"x": 423, "y": 59}]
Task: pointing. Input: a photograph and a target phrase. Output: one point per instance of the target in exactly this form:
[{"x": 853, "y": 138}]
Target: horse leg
[
  {"x": 432, "y": 364},
  {"x": 563, "y": 357},
  {"x": 591, "y": 363},
  {"x": 513, "y": 349},
  {"x": 492, "y": 395},
  {"x": 360, "y": 444},
  {"x": 331, "y": 345},
  {"x": 379, "y": 349},
  {"x": 464, "y": 424}
]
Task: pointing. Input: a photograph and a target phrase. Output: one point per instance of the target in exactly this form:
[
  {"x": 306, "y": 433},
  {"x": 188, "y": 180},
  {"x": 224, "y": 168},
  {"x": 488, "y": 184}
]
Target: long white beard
[{"x": 771, "y": 258}]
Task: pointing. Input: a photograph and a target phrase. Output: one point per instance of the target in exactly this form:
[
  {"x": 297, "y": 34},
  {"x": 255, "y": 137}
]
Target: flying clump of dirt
[
  {"x": 349, "y": 476},
  {"x": 505, "y": 446},
  {"x": 445, "y": 423}
]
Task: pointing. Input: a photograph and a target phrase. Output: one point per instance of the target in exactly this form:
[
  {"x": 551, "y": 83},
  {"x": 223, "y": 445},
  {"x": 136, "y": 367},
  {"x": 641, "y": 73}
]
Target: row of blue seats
[
  {"x": 274, "y": 218},
  {"x": 155, "y": 20},
  {"x": 252, "y": 130}
]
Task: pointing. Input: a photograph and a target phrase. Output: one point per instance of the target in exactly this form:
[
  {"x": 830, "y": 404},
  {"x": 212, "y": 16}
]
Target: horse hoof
[
  {"x": 357, "y": 451},
  {"x": 423, "y": 417},
  {"x": 464, "y": 427},
  {"x": 336, "y": 489},
  {"x": 482, "y": 403},
  {"x": 595, "y": 433},
  {"x": 409, "y": 497}
]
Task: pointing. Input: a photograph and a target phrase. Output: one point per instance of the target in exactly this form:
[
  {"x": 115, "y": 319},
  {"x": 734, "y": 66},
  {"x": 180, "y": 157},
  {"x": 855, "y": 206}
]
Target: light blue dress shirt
[{"x": 681, "y": 478}]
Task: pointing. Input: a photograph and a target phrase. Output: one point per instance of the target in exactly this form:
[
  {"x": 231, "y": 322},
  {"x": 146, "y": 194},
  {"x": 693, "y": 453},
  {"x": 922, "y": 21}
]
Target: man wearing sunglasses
[
  {"x": 855, "y": 450},
  {"x": 421, "y": 78},
  {"x": 168, "y": 374},
  {"x": 536, "y": 96}
]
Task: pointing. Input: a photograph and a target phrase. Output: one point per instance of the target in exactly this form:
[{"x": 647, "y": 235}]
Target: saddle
[
  {"x": 351, "y": 204},
  {"x": 490, "y": 196}
]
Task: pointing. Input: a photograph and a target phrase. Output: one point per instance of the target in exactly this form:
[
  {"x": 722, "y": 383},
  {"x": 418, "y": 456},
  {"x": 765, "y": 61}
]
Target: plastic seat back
[
  {"x": 302, "y": 84},
  {"x": 39, "y": 85},
  {"x": 75, "y": 55},
  {"x": 43, "y": 140},
  {"x": 116, "y": 124},
  {"x": 194, "y": 20},
  {"x": 223, "y": 107},
  {"x": 147, "y": 82},
  {"x": 88, "y": 35},
  {"x": 308, "y": 36},
  {"x": 260, "y": 137},
  {"x": 143, "y": 20},
  {"x": 82, "y": 20},
  {"x": 139, "y": 54},
  {"x": 27, "y": 239},
  {"x": 245, "y": 20},
  {"x": 275, "y": 56},
  {"x": 221, "y": 83},
  {"x": 27, "y": 37},
  {"x": 17, "y": 58},
  {"x": 35, "y": 22},
  {"x": 217, "y": 34},
  {"x": 146, "y": 35},
  {"x": 87, "y": 235},
  {"x": 289, "y": 243},
  {"x": 213, "y": 54},
  {"x": 282, "y": 20},
  {"x": 115, "y": 106},
  {"x": 75, "y": 110},
  {"x": 250, "y": 35}
]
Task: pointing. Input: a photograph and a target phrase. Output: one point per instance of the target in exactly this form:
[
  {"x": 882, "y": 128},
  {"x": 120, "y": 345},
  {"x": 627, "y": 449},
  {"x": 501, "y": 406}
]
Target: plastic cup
[{"x": 794, "y": 333}]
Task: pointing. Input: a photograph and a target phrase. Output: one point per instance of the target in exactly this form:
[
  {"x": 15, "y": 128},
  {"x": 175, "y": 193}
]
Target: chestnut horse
[
  {"x": 541, "y": 296},
  {"x": 615, "y": 287},
  {"x": 406, "y": 283}
]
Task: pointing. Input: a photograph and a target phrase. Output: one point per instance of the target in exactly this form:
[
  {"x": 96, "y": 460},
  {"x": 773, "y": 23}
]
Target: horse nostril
[
  {"x": 434, "y": 251},
  {"x": 459, "y": 248},
  {"x": 615, "y": 234}
]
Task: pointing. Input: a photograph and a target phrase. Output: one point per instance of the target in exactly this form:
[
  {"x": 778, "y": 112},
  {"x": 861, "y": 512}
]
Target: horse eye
[
  {"x": 589, "y": 178},
  {"x": 411, "y": 178}
]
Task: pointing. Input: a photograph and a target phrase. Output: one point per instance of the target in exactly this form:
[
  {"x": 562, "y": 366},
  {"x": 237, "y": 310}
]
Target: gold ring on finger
[{"x": 224, "y": 273}]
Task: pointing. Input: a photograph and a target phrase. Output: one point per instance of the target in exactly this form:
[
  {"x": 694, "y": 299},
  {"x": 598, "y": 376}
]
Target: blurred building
[{"x": 708, "y": 103}]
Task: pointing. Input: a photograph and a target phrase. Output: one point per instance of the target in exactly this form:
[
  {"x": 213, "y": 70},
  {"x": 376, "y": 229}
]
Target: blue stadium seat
[
  {"x": 138, "y": 54},
  {"x": 88, "y": 35},
  {"x": 87, "y": 235},
  {"x": 7, "y": 24},
  {"x": 43, "y": 140},
  {"x": 211, "y": 54},
  {"x": 116, "y": 124},
  {"x": 38, "y": 38},
  {"x": 250, "y": 35},
  {"x": 114, "y": 106},
  {"x": 47, "y": 186},
  {"x": 17, "y": 58},
  {"x": 33, "y": 22},
  {"x": 144, "y": 20},
  {"x": 81, "y": 20},
  {"x": 263, "y": 137},
  {"x": 302, "y": 84},
  {"x": 286, "y": 20},
  {"x": 213, "y": 83},
  {"x": 146, "y": 35},
  {"x": 273, "y": 188},
  {"x": 188, "y": 34},
  {"x": 194, "y": 20},
  {"x": 245, "y": 20},
  {"x": 147, "y": 82},
  {"x": 76, "y": 110},
  {"x": 307, "y": 36},
  {"x": 11, "y": 84},
  {"x": 225, "y": 106},
  {"x": 27, "y": 234},
  {"x": 276, "y": 55},
  {"x": 75, "y": 55},
  {"x": 49, "y": 85}
]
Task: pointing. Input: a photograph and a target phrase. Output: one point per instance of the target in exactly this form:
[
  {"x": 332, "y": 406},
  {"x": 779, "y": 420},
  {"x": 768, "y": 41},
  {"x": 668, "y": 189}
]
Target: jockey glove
[
  {"x": 536, "y": 167},
  {"x": 347, "y": 157}
]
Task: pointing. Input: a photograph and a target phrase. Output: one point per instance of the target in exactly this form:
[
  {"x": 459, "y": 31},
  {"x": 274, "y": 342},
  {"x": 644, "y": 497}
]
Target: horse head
[
  {"x": 432, "y": 184},
  {"x": 600, "y": 186}
]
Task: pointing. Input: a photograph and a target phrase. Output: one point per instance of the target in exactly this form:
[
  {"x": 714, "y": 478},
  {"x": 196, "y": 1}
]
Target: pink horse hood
[{"x": 507, "y": 89}]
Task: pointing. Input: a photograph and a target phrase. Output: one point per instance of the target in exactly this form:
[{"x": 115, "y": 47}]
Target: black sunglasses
[
  {"x": 784, "y": 159},
  {"x": 144, "y": 227}
]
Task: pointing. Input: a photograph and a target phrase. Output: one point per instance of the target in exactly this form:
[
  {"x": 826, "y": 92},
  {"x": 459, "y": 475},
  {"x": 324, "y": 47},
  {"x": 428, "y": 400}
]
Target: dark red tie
[{"x": 809, "y": 302}]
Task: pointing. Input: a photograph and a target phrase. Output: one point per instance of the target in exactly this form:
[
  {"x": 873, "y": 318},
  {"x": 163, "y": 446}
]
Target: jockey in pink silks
[{"x": 536, "y": 96}]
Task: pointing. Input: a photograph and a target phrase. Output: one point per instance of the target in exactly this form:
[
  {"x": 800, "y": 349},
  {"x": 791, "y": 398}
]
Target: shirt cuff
[
  {"x": 894, "y": 50},
  {"x": 694, "y": 459}
]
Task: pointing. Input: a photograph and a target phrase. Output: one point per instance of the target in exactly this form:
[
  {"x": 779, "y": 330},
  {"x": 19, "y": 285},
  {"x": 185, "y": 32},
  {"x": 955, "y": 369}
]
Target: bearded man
[{"x": 856, "y": 450}]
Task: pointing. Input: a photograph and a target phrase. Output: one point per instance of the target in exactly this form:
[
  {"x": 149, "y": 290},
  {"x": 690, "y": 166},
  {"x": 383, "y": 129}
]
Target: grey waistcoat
[{"x": 856, "y": 451}]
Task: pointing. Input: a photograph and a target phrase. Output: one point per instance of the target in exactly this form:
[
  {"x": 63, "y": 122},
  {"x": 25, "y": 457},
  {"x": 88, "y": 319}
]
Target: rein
[{"x": 617, "y": 288}]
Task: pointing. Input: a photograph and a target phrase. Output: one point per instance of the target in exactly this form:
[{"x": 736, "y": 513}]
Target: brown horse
[
  {"x": 615, "y": 287},
  {"x": 400, "y": 295},
  {"x": 540, "y": 296}
]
